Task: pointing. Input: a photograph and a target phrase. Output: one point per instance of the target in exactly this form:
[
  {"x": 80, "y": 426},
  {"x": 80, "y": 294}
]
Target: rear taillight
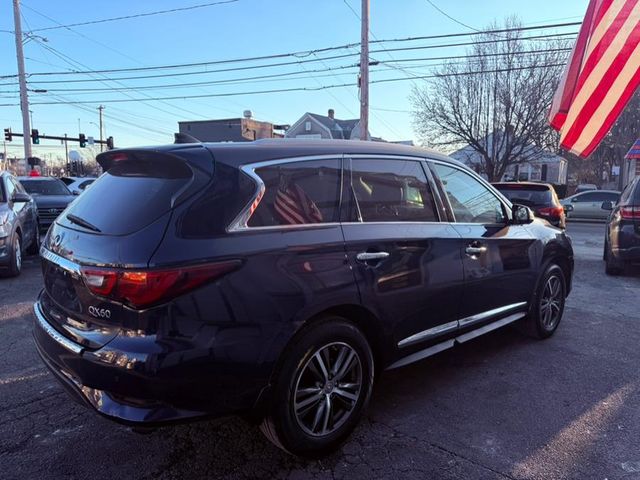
[
  {"x": 630, "y": 213},
  {"x": 143, "y": 288},
  {"x": 554, "y": 212}
]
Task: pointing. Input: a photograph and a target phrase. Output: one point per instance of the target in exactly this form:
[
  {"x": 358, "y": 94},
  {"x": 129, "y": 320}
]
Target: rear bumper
[
  {"x": 139, "y": 388},
  {"x": 631, "y": 255}
]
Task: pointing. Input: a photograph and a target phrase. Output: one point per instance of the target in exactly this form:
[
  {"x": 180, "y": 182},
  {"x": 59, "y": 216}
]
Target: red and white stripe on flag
[{"x": 602, "y": 75}]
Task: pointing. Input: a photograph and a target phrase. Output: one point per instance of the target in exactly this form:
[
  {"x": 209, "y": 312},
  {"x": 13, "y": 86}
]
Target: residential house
[
  {"x": 536, "y": 165},
  {"x": 312, "y": 125},
  {"x": 245, "y": 129}
]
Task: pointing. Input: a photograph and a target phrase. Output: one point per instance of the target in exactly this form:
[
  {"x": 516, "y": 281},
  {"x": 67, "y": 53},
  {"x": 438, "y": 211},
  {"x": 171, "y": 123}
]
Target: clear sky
[{"x": 239, "y": 29}]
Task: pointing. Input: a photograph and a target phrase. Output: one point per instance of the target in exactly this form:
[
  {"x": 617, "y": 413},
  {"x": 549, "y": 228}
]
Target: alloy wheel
[
  {"x": 551, "y": 302},
  {"x": 18, "y": 254},
  {"x": 327, "y": 389}
]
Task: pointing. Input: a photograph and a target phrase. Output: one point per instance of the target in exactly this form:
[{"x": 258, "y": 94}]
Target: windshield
[
  {"x": 527, "y": 197},
  {"x": 45, "y": 187}
]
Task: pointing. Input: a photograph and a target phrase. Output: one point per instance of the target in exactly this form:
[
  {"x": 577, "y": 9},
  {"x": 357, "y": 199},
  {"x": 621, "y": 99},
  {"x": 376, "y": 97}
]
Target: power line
[
  {"x": 450, "y": 17},
  {"x": 294, "y": 89},
  {"x": 138, "y": 15},
  {"x": 253, "y": 67},
  {"x": 307, "y": 53}
]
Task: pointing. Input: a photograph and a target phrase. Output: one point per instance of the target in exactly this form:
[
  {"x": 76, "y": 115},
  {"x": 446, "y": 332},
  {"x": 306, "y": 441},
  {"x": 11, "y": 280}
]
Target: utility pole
[
  {"x": 24, "y": 99},
  {"x": 66, "y": 149},
  {"x": 364, "y": 71},
  {"x": 100, "y": 109}
]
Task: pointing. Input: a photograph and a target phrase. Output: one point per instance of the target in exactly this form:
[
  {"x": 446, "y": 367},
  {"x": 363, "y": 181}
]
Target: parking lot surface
[{"x": 502, "y": 406}]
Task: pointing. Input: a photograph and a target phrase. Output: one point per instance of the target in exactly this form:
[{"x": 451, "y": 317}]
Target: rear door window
[
  {"x": 388, "y": 190},
  {"x": 130, "y": 196},
  {"x": 298, "y": 193}
]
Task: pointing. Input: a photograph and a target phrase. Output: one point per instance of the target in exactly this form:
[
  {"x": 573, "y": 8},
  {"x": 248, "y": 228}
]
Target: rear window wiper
[{"x": 82, "y": 222}]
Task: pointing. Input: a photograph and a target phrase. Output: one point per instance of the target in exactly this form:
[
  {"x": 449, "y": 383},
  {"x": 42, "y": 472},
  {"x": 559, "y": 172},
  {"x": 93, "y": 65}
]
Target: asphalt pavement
[{"x": 502, "y": 406}]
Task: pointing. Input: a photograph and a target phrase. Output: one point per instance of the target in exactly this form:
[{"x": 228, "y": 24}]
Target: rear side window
[
  {"x": 392, "y": 191},
  {"x": 299, "y": 193},
  {"x": 131, "y": 195}
]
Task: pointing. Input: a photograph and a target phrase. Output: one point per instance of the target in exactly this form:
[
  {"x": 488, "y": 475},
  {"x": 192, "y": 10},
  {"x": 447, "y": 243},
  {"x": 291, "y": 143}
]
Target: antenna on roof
[{"x": 185, "y": 138}]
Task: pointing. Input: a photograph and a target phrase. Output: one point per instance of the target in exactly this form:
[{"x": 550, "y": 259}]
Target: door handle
[
  {"x": 368, "y": 256},
  {"x": 473, "y": 251}
]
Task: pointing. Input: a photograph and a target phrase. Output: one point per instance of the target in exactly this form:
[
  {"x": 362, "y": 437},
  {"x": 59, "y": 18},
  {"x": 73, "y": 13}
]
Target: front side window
[
  {"x": 470, "y": 200},
  {"x": 299, "y": 193},
  {"x": 392, "y": 191}
]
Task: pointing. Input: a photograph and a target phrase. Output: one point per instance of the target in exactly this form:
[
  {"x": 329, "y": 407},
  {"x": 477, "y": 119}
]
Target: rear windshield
[
  {"x": 130, "y": 196},
  {"x": 45, "y": 187},
  {"x": 530, "y": 197}
]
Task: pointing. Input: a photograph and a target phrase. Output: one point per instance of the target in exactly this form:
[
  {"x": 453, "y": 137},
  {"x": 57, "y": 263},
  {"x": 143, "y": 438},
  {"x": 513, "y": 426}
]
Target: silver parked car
[{"x": 588, "y": 205}]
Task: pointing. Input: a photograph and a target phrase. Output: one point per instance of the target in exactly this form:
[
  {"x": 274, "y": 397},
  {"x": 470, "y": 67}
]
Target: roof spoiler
[{"x": 185, "y": 138}]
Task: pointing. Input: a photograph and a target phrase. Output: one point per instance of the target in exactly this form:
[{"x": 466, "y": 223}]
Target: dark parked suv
[
  {"x": 280, "y": 278},
  {"x": 622, "y": 238},
  {"x": 540, "y": 197}
]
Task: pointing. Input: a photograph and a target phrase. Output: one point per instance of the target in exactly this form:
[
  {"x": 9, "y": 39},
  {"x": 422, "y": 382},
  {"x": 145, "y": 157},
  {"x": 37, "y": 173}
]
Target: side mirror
[
  {"x": 19, "y": 197},
  {"x": 76, "y": 192},
  {"x": 568, "y": 208},
  {"x": 607, "y": 205},
  {"x": 521, "y": 215}
]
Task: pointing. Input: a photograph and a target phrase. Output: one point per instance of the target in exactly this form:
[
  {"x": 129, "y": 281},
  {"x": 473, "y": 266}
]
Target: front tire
[
  {"x": 548, "y": 303},
  {"x": 15, "y": 258},
  {"x": 322, "y": 388}
]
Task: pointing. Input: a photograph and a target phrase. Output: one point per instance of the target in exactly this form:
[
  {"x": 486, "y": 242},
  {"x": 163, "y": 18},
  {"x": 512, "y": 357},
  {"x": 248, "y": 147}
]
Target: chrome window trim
[
  {"x": 239, "y": 224},
  {"x": 62, "y": 262},
  {"x": 53, "y": 333},
  {"x": 429, "y": 333}
]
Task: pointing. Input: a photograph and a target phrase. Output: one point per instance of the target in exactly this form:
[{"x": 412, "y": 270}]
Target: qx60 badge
[{"x": 99, "y": 312}]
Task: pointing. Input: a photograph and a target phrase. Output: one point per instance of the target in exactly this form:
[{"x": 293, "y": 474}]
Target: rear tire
[
  {"x": 322, "y": 388},
  {"x": 547, "y": 305},
  {"x": 612, "y": 266},
  {"x": 15, "y": 258}
]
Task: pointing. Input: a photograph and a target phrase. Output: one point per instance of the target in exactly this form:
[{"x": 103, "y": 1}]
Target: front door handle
[
  {"x": 475, "y": 250},
  {"x": 368, "y": 256}
]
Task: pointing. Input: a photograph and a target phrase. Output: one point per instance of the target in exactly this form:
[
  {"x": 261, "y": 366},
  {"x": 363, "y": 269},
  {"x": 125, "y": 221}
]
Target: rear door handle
[{"x": 368, "y": 256}]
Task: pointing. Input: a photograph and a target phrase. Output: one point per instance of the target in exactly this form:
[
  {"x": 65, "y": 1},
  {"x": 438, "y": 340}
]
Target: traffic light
[
  {"x": 35, "y": 136},
  {"x": 83, "y": 140},
  {"x": 7, "y": 135},
  {"x": 110, "y": 143}
]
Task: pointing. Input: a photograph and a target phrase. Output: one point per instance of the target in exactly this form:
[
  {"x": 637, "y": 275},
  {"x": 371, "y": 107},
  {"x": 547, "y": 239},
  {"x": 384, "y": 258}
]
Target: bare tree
[{"x": 496, "y": 100}]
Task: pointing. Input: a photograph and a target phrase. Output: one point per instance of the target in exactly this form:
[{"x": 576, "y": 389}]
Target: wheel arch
[{"x": 556, "y": 254}]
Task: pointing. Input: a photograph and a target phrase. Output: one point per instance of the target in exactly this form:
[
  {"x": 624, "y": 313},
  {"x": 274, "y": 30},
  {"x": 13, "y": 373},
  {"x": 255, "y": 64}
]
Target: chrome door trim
[
  {"x": 479, "y": 317},
  {"x": 490, "y": 327},
  {"x": 53, "y": 333},
  {"x": 427, "y": 352},
  {"x": 429, "y": 333}
]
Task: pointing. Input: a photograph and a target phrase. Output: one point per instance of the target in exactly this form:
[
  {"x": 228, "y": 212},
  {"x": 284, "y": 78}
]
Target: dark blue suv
[
  {"x": 622, "y": 238},
  {"x": 280, "y": 278}
]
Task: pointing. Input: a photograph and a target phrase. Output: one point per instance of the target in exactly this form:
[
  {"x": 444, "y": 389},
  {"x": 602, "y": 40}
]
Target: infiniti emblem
[{"x": 56, "y": 240}]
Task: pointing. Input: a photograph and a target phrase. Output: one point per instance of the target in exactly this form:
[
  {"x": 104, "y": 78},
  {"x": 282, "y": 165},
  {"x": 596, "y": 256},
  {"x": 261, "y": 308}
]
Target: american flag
[
  {"x": 634, "y": 152},
  {"x": 602, "y": 74},
  {"x": 294, "y": 207}
]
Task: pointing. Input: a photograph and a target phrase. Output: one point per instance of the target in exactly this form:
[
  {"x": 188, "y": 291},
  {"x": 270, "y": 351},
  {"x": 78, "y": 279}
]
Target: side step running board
[{"x": 465, "y": 337}]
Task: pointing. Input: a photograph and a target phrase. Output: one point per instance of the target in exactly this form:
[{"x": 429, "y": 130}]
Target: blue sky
[{"x": 240, "y": 29}]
